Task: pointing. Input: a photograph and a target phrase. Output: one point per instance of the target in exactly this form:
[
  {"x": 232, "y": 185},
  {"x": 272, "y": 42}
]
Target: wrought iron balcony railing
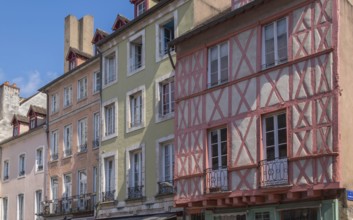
[
  {"x": 21, "y": 173},
  {"x": 83, "y": 147},
  {"x": 135, "y": 192},
  {"x": 166, "y": 187},
  {"x": 75, "y": 204},
  {"x": 95, "y": 143},
  {"x": 108, "y": 196},
  {"x": 273, "y": 172},
  {"x": 67, "y": 152},
  {"x": 40, "y": 167},
  {"x": 6, "y": 177},
  {"x": 216, "y": 179},
  {"x": 54, "y": 156}
]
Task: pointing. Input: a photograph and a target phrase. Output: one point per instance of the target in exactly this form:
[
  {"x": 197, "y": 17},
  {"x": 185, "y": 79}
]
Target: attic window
[
  {"x": 33, "y": 122},
  {"x": 16, "y": 130},
  {"x": 72, "y": 63},
  {"x": 140, "y": 8}
]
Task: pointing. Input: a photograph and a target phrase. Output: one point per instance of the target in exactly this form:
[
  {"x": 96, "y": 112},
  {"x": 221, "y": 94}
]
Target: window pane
[
  {"x": 223, "y": 134},
  {"x": 270, "y": 138},
  {"x": 214, "y": 137},
  {"x": 214, "y": 150},
  {"x": 269, "y": 45},
  {"x": 283, "y": 151},
  {"x": 270, "y": 153},
  {"x": 281, "y": 121},
  {"x": 269, "y": 124},
  {"x": 282, "y": 136}
]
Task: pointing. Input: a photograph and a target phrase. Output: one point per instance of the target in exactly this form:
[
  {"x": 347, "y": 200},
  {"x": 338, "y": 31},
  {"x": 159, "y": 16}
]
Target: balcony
[
  {"x": 95, "y": 143},
  {"x": 54, "y": 156},
  {"x": 135, "y": 192},
  {"x": 21, "y": 173},
  {"x": 273, "y": 172},
  {"x": 216, "y": 180},
  {"x": 40, "y": 166},
  {"x": 83, "y": 147},
  {"x": 108, "y": 196},
  {"x": 166, "y": 187},
  {"x": 69, "y": 205},
  {"x": 6, "y": 177},
  {"x": 67, "y": 152}
]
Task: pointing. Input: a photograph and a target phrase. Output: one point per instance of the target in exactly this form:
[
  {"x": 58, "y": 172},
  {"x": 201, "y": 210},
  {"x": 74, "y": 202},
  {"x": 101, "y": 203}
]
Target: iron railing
[
  {"x": 135, "y": 192},
  {"x": 273, "y": 172},
  {"x": 67, "y": 152},
  {"x": 108, "y": 196},
  {"x": 83, "y": 147},
  {"x": 166, "y": 187},
  {"x": 54, "y": 156},
  {"x": 6, "y": 177},
  {"x": 68, "y": 205},
  {"x": 216, "y": 179},
  {"x": 95, "y": 143},
  {"x": 21, "y": 173}
]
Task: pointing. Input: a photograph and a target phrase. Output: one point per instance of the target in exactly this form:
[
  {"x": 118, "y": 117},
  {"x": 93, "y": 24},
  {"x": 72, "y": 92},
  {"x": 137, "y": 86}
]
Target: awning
[{"x": 165, "y": 216}]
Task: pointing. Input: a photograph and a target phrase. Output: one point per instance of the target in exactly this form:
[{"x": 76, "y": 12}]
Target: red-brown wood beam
[{"x": 293, "y": 195}]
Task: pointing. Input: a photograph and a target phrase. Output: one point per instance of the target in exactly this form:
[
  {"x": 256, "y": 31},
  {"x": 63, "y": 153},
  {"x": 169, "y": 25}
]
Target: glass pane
[
  {"x": 270, "y": 139},
  {"x": 269, "y": 124},
  {"x": 281, "y": 121},
  {"x": 224, "y": 161},
  {"x": 215, "y": 163},
  {"x": 224, "y": 69},
  {"x": 214, "y": 137},
  {"x": 282, "y": 136},
  {"x": 283, "y": 151},
  {"x": 224, "y": 148},
  {"x": 281, "y": 27},
  {"x": 223, "y": 134},
  {"x": 214, "y": 150},
  {"x": 270, "y": 153}
]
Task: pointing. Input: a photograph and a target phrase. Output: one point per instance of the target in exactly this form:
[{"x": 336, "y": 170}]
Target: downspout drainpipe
[
  {"x": 46, "y": 169},
  {"x": 170, "y": 56}
]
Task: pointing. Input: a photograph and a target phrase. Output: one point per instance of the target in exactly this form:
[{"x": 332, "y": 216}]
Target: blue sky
[{"x": 32, "y": 36}]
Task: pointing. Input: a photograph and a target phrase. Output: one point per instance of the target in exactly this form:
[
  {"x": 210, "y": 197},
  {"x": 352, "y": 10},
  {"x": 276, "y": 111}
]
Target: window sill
[
  {"x": 163, "y": 118},
  {"x": 135, "y": 128},
  {"x": 39, "y": 171},
  {"x": 215, "y": 86},
  {"x": 95, "y": 92},
  {"x": 166, "y": 195},
  {"x": 109, "y": 84},
  {"x": 108, "y": 137},
  {"x": 81, "y": 152},
  {"x": 66, "y": 107},
  {"x": 165, "y": 56},
  {"x": 81, "y": 99},
  {"x": 21, "y": 177},
  {"x": 54, "y": 113},
  {"x": 143, "y": 198},
  {"x": 54, "y": 161},
  {"x": 67, "y": 157},
  {"x": 6, "y": 181},
  {"x": 131, "y": 73}
]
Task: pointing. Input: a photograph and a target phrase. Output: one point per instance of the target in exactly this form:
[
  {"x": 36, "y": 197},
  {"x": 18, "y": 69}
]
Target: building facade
[
  {"x": 136, "y": 157},
  {"x": 74, "y": 127},
  {"x": 23, "y": 161},
  {"x": 262, "y": 112}
]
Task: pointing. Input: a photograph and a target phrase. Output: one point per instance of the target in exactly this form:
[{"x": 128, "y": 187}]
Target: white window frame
[
  {"x": 276, "y": 59},
  {"x": 21, "y": 207},
  {"x": 54, "y": 144},
  {"x": 5, "y": 209},
  {"x": 276, "y": 136},
  {"x": 67, "y": 142},
  {"x": 32, "y": 122},
  {"x": 54, "y": 103},
  {"x": 173, "y": 16},
  {"x": 82, "y": 88},
  {"x": 82, "y": 188},
  {"x": 110, "y": 55},
  {"x": 6, "y": 170},
  {"x": 129, "y": 152},
  {"x": 129, "y": 116},
  {"x": 37, "y": 201},
  {"x": 158, "y": 82},
  {"x": 97, "y": 82},
  {"x": 219, "y": 148},
  {"x": 67, "y": 96},
  {"x": 159, "y": 154},
  {"x": 131, "y": 58},
  {"x": 82, "y": 129},
  {"x": 140, "y": 10},
  {"x": 67, "y": 186},
  {"x": 22, "y": 164},
  {"x": 109, "y": 181},
  {"x": 219, "y": 71},
  {"x": 105, "y": 136},
  {"x": 96, "y": 129},
  {"x": 53, "y": 195},
  {"x": 41, "y": 161}
]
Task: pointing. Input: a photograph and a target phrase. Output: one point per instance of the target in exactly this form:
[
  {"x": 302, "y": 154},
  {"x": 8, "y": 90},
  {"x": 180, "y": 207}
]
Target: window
[
  {"x": 5, "y": 207},
  {"x": 275, "y": 43},
  {"x": 72, "y": 63},
  {"x": 82, "y": 88},
  {"x": 136, "y": 109},
  {"x": 82, "y": 188},
  {"x": 166, "y": 90},
  {"x": 67, "y": 140},
  {"x": 218, "y": 64},
  {"x": 217, "y": 173},
  {"x": 109, "y": 112},
  {"x": 20, "y": 207},
  {"x": 82, "y": 135},
  {"x": 32, "y": 122},
  {"x": 275, "y": 136},
  {"x": 302, "y": 214},
  {"x": 21, "y": 167},
  {"x": 94, "y": 185},
  {"x": 39, "y": 159},
  {"x": 110, "y": 69},
  {"x": 54, "y": 103},
  {"x": 140, "y": 8},
  {"x": 6, "y": 170},
  {"x": 67, "y": 96},
  {"x": 166, "y": 169},
  {"x": 67, "y": 185},
  {"x": 109, "y": 182},
  {"x": 135, "y": 184},
  {"x": 166, "y": 35},
  {"x": 54, "y": 145},
  {"x": 136, "y": 52},
  {"x": 96, "y": 129},
  {"x": 38, "y": 201},
  {"x": 96, "y": 82},
  {"x": 233, "y": 216},
  {"x": 54, "y": 188},
  {"x": 262, "y": 216},
  {"x": 16, "y": 130}
]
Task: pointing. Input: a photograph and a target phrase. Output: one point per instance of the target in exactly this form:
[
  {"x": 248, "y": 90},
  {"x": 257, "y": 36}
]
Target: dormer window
[
  {"x": 72, "y": 63},
  {"x": 33, "y": 122},
  {"x": 140, "y": 8},
  {"x": 16, "y": 130}
]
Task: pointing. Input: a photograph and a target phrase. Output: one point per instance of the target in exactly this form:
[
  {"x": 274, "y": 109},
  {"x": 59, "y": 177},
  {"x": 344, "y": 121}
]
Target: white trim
[
  {"x": 104, "y": 156},
  {"x": 157, "y": 83},
  {"x": 43, "y": 160},
  {"x": 143, "y": 52},
  {"x": 78, "y": 99},
  {"x": 218, "y": 65},
  {"x": 159, "y": 144},
  {"x": 111, "y": 52},
  {"x": 8, "y": 172},
  {"x": 141, "y": 89},
  {"x": 95, "y": 73},
  {"x": 131, "y": 149},
  {"x": 158, "y": 24},
  {"x": 106, "y": 103},
  {"x": 70, "y": 96},
  {"x": 57, "y": 101},
  {"x": 19, "y": 165}
]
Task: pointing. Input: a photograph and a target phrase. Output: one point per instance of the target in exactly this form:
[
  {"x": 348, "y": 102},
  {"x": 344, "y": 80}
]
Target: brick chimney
[{"x": 78, "y": 35}]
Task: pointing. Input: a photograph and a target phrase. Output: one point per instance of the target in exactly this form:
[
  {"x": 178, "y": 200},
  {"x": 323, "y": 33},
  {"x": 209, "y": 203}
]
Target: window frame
[
  {"x": 6, "y": 170},
  {"x": 129, "y": 110},
  {"x": 105, "y": 135},
  {"x": 129, "y": 151},
  {"x": 20, "y": 206},
  {"x": 54, "y": 103},
  {"x": 82, "y": 83},
  {"x": 275, "y": 36},
  {"x": 159, "y": 27},
  {"x": 131, "y": 59},
  {"x": 38, "y": 200},
  {"x": 97, "y": 84},
  {"x": 67, "y": 140},
  {"x": 67, "y": 100},
  {"x": 54, "y": 145},
  {"x": 42, "y": 159},
  {"x": 54, "y": 196},
  {"x": 21, "y": 165},
  {"x": 219, "y": 148},
  {"x": 138, "y": 11},
  {"x": 219, "y": 70},
  {"x": 67, "y": 186},
  {"x": 5, "y": 211},
  {"x": 96, "y": 129},
  {"x": 107, "y": 79},
  {"x": 82, "y": 137}
]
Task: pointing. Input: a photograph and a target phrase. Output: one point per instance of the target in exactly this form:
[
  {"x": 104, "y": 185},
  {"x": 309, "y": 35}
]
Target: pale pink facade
[{"x": 303, "y": 88}]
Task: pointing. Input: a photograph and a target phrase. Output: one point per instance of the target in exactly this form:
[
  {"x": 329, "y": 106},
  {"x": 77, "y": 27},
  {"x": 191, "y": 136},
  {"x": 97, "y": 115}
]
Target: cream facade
[{"x": 136, "y": 157}]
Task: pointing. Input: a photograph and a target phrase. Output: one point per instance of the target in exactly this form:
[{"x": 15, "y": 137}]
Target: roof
[
  {"x": 77, "y": 53},
  {"x": 99, "y": 35},
  {"x": 20, "y": 118},
  {"x": 37, "y": 109},
  {"x": 122, "y": 19},
  {"x": 131, "y": 24},
  {"x": 67, "y": 74},
  {"x": 222, "y": 17},
  {"x": 30, "y": 131}
]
